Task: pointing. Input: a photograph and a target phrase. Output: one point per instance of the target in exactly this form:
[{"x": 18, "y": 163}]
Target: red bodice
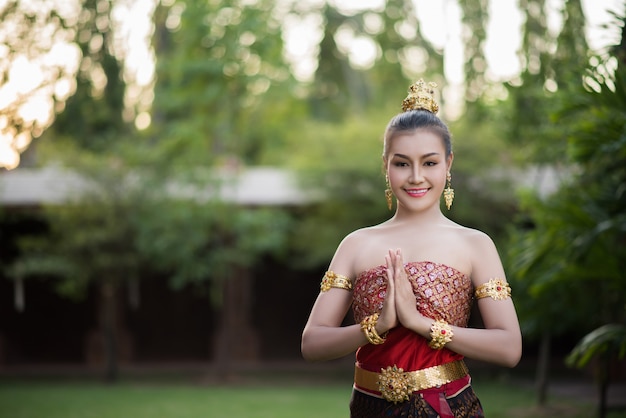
[{"x": 441, "y": 292}]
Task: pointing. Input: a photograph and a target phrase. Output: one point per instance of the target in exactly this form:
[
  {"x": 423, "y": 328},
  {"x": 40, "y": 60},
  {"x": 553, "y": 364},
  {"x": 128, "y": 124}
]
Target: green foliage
[
  {"x": 572, "y": 53},
  {"x": 214, "y": 69},
  {"x": 551, "y": 64},
  {"x": 404, "y": 54},
  {"x": 89, "y": 239},
  {"x": 604, "y": 341},
  {"x": 337, "y": 165},
  {"x": 546, "y": 260},
  {"x": 337, "y": 89},
  {"x": 475, "y": 18},
  {"x": 575, "y": 246},
  {"x": 484, "y": 185},
  {"x": 92, "y": 116},
  {"x": 196, "y": 242},
  {"x": 30, "y": 36}
]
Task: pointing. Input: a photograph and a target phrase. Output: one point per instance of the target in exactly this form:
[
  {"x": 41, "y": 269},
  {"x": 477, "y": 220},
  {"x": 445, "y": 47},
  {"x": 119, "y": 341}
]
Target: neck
[{"x": 425, "y": 217}]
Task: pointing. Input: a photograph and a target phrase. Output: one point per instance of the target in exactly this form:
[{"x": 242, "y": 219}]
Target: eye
[
  {"x": 430, "y": 163},
  {"x": 400, "y": 164}
]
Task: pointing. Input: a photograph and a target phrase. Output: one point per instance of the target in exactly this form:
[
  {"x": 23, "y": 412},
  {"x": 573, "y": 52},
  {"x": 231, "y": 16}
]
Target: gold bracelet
[
  {"x": 368, "y": 326},
  {"x": 440, "y": 334},
  {"x": 496, "y": 288},
  {"x": 331, "y": 279}
]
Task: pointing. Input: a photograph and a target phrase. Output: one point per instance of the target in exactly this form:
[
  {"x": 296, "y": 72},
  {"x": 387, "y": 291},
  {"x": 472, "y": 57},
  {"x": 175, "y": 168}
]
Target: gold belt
[{"x": 396, "y": 385}]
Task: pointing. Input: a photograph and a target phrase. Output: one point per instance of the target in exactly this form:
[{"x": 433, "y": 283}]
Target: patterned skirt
[{"x": 463, "y": 404}]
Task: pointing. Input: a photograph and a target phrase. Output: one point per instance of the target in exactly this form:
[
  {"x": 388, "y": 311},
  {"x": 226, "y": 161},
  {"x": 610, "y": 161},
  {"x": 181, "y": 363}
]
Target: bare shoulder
[
  {"x": 476, "y": 244},
  {"x": 358, "y": 240},
  {"x": 476, "y": 238},
  {"x": 465, "y": 234},
  {"x": 353, "y": 247},
  {"x": 363, "y": 234},
  {"x": 483, "y": 254}
]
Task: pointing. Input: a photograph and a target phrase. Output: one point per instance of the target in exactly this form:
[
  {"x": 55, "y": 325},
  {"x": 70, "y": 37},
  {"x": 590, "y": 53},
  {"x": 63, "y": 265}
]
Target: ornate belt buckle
[{"x": 395, "y": 385}]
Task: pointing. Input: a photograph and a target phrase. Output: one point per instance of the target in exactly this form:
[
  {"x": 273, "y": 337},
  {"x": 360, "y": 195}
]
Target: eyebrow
[{"x": 430, "y": 154}]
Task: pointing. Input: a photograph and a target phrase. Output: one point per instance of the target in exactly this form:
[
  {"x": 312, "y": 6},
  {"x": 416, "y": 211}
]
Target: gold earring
[
  {"x": 448, "y": 192},
  {"x": 388, "y": 193}
]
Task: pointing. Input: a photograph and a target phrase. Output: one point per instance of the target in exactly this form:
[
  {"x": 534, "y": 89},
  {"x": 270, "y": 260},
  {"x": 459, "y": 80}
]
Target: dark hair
[{"x": 417, "y": 119}]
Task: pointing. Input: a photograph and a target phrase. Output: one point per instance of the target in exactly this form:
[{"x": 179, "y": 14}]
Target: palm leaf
[{"x": 603, "y": 341}]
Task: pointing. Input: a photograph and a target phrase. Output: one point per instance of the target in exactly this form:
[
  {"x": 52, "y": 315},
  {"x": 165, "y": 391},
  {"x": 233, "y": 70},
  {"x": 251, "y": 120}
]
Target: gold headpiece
[{"x": 421, "y": 96}]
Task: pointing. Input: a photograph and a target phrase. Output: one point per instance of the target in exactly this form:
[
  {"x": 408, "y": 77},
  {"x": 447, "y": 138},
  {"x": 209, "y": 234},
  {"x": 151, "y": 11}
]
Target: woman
[{"x": 411, "y": 282}]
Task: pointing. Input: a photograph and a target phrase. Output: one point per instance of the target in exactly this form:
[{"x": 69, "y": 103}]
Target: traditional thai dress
[{"x": 441, "y": 292}]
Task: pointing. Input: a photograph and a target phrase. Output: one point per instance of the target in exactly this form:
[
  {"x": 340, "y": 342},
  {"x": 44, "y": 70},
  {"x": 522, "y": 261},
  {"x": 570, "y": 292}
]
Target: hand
[
  {"x": 406, "y": 309},
  {"x": 388, "y": 318}
]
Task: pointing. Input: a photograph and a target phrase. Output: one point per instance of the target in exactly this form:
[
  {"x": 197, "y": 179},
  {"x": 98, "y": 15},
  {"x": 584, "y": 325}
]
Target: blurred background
[{"x": 176, "y": 175}]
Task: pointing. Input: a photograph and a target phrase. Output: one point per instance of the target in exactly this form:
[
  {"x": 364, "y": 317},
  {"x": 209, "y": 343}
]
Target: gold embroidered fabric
[
  {"x": 440, "y": 291},
  {"x": 496, "y": 288},
  {"x": 331, "y": 279}
]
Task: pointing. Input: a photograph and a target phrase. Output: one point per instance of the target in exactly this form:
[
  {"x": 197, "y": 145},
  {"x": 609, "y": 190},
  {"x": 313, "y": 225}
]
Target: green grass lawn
[{"x": 176, "y": 398}]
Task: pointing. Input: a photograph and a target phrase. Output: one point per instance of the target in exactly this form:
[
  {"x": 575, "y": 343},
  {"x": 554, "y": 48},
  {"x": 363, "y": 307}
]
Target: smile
[{"x": 416, "y": 192}]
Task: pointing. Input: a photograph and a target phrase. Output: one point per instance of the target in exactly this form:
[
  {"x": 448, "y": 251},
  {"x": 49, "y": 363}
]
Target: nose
[{"x": 416, "y": 175}]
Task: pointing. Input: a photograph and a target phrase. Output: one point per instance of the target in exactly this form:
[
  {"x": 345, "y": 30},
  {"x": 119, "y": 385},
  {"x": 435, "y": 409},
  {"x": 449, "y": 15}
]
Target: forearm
[
  {"x": 320, "y": 343},
  {"x": 496, "y": 345}
]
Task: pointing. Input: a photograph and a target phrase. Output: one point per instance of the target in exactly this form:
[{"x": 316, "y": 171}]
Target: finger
[
  {"x": 399, "y": 258},
  {"x": 399, "y": 264},
  {"x": 392, "y": 258},
  {"x": 390, "y": 268},
  {"x": 390, "y": 273}
]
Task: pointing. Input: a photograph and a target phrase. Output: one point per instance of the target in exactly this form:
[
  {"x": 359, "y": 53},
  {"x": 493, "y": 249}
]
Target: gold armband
[
  {"x": 440, "y": 334},
  {"x": 368, "y": 326},
  {"x": 331, "y": 279},
  {"x": 497, "y": 289}
]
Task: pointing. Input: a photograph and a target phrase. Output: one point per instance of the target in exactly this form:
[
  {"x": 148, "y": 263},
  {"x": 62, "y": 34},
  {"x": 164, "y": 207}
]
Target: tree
[
  {"x": 221, "y": 95},
  {"x": 337, "y": 165},
  {"x": 576, "y": 240},
  {"x": 572, "y": 49},
  {"x": 92, "y": 118},
  {"x": 532, "y": 93},
  {"x": 475, "y": 17},
  {"x": 37, "y": 42},
  {"x": 89, "y": 245},
  {"x": 213, "y": 244},
  {"x": 404, "y": 54},
  {"x": 337, "y": 89},
  {"x": 552, "y": 68},
  {"x": 217, "y": 62}
]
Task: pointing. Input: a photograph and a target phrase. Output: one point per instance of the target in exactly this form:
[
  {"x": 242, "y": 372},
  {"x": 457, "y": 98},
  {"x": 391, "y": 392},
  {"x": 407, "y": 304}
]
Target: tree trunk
[
  {"x": 543, "y": 364},
  {"x": 2, "y": 351},
  {"x": 236, "y": 338},
  {"x": 110, "y": 341},
  {"x": 603, "y": 380}
]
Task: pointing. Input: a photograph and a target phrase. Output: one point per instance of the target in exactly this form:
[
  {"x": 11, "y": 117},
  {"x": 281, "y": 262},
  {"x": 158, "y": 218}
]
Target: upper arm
[
  {"x": 331, "y": 307},
  {"x": 486, "y": 265}
]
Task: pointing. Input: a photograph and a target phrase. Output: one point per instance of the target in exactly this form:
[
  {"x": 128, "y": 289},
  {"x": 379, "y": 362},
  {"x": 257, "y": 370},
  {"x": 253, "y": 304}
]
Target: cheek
[
  {"x": 393, "y": 176},
  {"x": 440, "y": 176}
]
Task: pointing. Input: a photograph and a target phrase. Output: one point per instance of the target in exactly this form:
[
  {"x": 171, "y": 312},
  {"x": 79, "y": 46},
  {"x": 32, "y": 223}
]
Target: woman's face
[{"x": 417, "y": 167}]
